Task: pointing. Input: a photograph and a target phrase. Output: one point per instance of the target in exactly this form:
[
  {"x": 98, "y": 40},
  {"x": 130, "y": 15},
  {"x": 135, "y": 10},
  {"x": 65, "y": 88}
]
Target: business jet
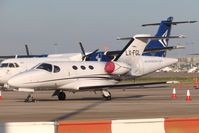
[
  {"x": 153, "y": 48},
  {"x": 92, "y": 76},
  {"x": 11, "y": 67}
]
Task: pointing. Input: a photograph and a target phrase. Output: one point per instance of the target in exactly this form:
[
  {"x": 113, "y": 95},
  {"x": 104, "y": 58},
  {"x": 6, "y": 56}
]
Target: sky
[{"x": 56, "y": 26}]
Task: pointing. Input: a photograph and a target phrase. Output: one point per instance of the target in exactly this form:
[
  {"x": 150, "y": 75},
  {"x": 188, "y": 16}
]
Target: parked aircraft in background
[
  {"x": 192, "y": 70},
  {"x": 92, "y": 76},
  {"x": 166, "y": 69},
  {"x": 163, "y": 31},
  {"x": 153, "y": 48}
]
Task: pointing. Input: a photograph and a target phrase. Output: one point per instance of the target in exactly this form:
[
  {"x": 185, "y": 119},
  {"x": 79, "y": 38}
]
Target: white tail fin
[
  {"x": 135, "y": 47},
  {"x": 137, "y": 44}
]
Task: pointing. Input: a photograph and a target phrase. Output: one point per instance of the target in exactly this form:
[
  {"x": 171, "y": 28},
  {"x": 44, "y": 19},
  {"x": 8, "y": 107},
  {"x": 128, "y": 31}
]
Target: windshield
[
  {"x": 10, "y": 65},
  {"x": 4, "y": 65},
  {"x": 45, "y": 66}
]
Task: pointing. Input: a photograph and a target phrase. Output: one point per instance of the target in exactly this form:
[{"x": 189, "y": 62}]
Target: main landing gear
[
  {"x": 30, "y": 98},
  {"x": 106, "y": 95},
  {"x": 60, "y": 94}
]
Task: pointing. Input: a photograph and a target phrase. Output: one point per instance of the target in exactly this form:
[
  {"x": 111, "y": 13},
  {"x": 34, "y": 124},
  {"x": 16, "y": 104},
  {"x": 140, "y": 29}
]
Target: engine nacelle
[{"x": 117, "y": 68}]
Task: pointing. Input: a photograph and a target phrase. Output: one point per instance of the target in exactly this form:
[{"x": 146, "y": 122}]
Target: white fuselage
[
  {"x": 70, "y": 75},
  {"x": 73, "y": 75}
]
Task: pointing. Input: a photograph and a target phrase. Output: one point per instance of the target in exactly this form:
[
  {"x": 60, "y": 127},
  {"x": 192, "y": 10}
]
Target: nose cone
[
  {"x": 26, "y": 79},
  {"x": 20, "y": 80},
  {"x": 3, "y": 76},
  {"x": 16, "y": 81}
]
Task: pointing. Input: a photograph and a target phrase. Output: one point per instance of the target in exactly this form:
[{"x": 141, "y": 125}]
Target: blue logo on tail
[{"x": 163, "y": 31}]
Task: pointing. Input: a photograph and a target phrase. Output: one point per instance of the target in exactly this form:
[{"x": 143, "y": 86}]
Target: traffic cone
[
  {"x": 195, "y": 84},
  {"x": 188, "y": 97},
  {"x": 1, "y": 98},
  {"x": 173, "y": 96}
]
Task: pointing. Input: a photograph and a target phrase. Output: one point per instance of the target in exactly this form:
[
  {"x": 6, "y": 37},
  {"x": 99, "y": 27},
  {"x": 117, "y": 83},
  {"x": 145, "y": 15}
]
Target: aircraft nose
[
  {"x": 17, "y": 81},
  {"x": 14, "y": 82}
]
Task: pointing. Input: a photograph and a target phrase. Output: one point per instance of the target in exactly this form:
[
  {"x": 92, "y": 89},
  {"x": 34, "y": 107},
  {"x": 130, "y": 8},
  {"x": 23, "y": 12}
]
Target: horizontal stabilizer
[
  {"x": 151, "y": 37},
  {"x": 172, "y": 23},
  {"x": 164, "y": 48}
]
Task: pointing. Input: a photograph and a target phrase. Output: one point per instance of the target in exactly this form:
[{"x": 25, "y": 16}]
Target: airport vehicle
[{"x": 93, "y": 76}]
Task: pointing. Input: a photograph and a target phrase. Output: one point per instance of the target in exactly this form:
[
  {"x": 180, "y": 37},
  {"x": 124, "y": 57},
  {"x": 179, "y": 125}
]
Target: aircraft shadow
[{"x": 85, "y": 99}]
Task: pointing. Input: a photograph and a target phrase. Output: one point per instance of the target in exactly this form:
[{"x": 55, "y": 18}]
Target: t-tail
[
  {"x": 164, "y": 30},
  {"x": 137, "y": 44},
  {"x": 141, "y": 65}
]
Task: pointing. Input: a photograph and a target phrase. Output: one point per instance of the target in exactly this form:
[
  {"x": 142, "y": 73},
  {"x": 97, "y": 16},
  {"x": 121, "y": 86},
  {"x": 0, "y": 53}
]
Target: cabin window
[
  {"x": 74, "y": 67},
  {"x": 56, "y": 69},
  {"x": 11, "y": 65},
  {"x": 4, "y": 65},
  {"x": 90, "y": 67},
  {"x": 83, "y": 67},
  {"x": 45, "y": 66}
]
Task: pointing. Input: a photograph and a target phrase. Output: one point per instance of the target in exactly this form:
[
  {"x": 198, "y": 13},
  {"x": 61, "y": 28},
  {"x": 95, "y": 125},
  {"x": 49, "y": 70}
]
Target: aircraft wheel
[
  {"x": 106, "y": 95},
  {"x": 62, "y": 96},
  {"x": 107, "y": 98}
]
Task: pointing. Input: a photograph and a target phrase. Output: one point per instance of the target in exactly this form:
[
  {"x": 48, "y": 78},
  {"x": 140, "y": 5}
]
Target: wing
[{"x": 118, "y": 86}]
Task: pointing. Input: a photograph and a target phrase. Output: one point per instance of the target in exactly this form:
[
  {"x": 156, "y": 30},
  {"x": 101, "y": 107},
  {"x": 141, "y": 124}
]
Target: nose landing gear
[
  {"x": 106, "y": 95},
  {"x": 30, "y": 98}
]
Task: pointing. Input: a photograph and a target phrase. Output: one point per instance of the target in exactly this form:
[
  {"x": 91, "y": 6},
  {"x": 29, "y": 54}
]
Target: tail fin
[
  {"x": 163, "y": 31},
  {"x": 135, "y": 46}
]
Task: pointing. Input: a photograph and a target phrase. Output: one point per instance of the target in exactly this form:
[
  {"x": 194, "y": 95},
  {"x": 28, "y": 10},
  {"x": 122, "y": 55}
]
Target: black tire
[
  {"x": 62, "y": 96},
  {"x": 107, "y": 98}
]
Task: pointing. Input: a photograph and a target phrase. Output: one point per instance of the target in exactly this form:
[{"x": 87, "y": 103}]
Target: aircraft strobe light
[
  {"x": 109, "y": 67},
  {"x": 117, "y": 68}
]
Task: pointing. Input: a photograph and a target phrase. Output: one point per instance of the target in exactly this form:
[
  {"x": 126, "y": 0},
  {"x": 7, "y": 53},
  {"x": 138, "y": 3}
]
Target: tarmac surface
[{"x": 143, "y": 102}]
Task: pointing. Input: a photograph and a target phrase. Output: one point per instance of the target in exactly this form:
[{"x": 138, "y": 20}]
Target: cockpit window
[
  {"x": 11, "y": 65},
  {"x": 16, "y": 65},
  {"x": 4, "y": 65},
  {"x": 56, "y": 69},
  {"x": 45, "y": 66}
]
